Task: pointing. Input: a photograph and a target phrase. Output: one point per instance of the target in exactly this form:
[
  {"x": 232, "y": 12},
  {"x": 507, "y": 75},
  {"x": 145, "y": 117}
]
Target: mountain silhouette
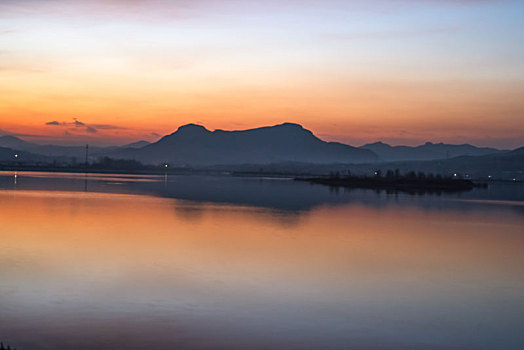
[
  {"x": 8, "y": 155},
  {"x": 138, "y": 144},
  {"x": 193, "y": 144},
  {"x": 16, "y": 143},
  {"x": 427, "y": 151},
  {"x": 502, "y": 165},
  {"x": 10, "y": 141}
]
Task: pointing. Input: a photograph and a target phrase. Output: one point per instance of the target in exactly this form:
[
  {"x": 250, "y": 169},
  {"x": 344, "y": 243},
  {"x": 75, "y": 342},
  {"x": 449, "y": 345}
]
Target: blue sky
[{"x": 401, "y": 71}]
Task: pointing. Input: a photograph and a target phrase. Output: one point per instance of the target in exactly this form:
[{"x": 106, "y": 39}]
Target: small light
[
  {"x": 489, "y": 176},
  {"x": 165, "y": 165},
  {"x": 455, "y": 174},
  {"x": 514, "y": 179},
  {"x": 16, "y": 155}
]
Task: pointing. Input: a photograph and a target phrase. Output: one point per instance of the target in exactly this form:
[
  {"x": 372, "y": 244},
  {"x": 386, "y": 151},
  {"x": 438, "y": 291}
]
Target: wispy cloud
[{"x": 76, "y": 125}]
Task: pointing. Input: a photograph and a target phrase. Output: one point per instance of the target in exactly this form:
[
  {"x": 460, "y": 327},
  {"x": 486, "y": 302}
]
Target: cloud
[{"x": 77, "y": 125}]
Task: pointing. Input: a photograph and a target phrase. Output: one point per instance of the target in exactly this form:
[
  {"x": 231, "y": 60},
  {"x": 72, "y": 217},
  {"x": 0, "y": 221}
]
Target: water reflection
[
  {"x": 279, "y": 194},
  {"x": 124, "y": 267}
]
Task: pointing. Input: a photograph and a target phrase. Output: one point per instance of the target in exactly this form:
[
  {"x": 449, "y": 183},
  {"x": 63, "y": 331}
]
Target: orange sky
[{"x": 357, "y": 72}]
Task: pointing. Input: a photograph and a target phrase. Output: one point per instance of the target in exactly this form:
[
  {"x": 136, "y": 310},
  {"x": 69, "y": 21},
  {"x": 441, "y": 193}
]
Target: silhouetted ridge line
[
  {"x": 427, "y": 151},
  {"x": 194, "y": 145}
]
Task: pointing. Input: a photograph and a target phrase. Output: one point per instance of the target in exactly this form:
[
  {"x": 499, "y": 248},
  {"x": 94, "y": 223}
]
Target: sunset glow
[{"x": 358, "y": 71}]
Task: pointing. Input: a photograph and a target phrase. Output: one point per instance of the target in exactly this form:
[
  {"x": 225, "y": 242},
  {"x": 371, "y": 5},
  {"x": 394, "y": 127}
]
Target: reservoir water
[{"x": 201, "y": 262}]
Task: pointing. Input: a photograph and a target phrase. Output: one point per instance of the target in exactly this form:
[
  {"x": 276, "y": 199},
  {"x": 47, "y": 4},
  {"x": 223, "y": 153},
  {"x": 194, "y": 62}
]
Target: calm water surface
[{"x": 154, "y": 262}]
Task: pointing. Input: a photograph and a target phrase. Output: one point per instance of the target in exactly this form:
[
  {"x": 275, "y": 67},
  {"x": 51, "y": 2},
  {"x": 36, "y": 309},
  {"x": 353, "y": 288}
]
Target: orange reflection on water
[
  {"x": 81, "y": 231},
  {"x": 400, "y": 264}
]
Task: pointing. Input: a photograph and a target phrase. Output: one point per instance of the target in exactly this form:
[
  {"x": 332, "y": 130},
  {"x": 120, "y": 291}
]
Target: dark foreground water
[{"x": 154, "y": 262}]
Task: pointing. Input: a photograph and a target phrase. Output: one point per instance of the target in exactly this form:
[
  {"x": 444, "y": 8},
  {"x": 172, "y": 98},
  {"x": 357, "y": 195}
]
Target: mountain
[
  {"x": 138, "y": 144},
  {"x": 11, "y": 155},
  {"x": 193, "y": 144},
  {"x": 427, "y": 151},
  {"x": 505, "y": 165},
  {"x": 501, "y": 165},
  {"x": 15, "y": 143},
  {"x": 10, "y": 141},
  {"x": 502, "y": 162}
]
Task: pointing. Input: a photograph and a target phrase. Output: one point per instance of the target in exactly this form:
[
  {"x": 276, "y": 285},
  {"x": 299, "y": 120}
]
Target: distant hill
[
  {"x": 195, "y": 145},
  {"x": 502, "y": 165},
  {"x": 427, "y": 151},
  {"x": 138, "y": 144},
  {"x": 8, "y": 155},
  {"x": 16, "y": 143},
  {"x": 10, "y": 141},
  {"x": 505, "y": 165}
]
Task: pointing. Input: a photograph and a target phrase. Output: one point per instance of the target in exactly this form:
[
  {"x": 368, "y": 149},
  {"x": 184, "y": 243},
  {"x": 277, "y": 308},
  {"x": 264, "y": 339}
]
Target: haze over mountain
[
  {"x": 427, "y": 151},
  {"x": 505, "y": 165},
  {"x": 195, "y": 145},
  {"x": 138, "y": 144},
  {"x": 10, "y": 141},
  {"x": 8, "y": 155},
  {"x": 17, "y": 144}
]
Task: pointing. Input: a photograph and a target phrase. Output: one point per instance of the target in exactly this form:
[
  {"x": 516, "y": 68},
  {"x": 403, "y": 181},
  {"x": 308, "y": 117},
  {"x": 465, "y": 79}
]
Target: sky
[{"x": 400, "y": 71}]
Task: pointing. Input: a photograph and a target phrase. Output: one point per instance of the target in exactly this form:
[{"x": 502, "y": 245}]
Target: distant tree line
[{"x": 394, "y": 175}]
